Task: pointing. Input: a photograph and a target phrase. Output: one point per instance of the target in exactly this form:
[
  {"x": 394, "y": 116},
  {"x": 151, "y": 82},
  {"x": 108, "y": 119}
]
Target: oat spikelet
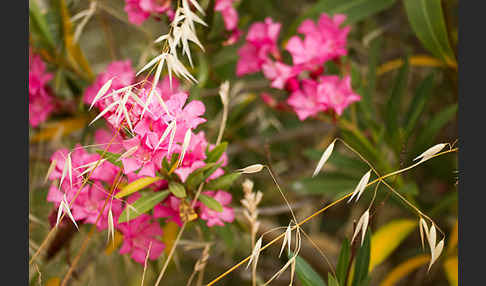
[
  {"x": 255, "y": 168},
  {"x": 250, "y": 202},
  {"x": 325, "y": 156}
]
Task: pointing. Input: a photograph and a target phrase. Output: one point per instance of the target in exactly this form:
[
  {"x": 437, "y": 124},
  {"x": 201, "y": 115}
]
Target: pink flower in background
[
  {"x": 139, "y": 10},
  {"x": 335, "y": 93},
  {"x": 230, "y": 18},
  {"x": 279, "y": 73},
  {"x": 261, "y": 41},
  {"x": 41, "y": 104},
  {"x": 213, "y": 217},
  {"x": 305, "y": 101},
  {"x": 322, "y": 42},
  {"x": 103, "y": 137},
  {"x": 138, "y": 235},
  {"x": 229, "y": 13}
]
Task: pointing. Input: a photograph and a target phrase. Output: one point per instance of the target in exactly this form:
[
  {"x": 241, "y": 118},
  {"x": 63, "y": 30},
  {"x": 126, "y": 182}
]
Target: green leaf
[
  {"x": 306, "y": 274},
  {"x": 367, "y": 103},
  {"x": 144, "y": 204},
  {"x": 177, "y": 190},
  {"x": 362, "y": 262},
  {"x": 418, "y": 103},
  {"x": 214, "y": 155},
  {"x": 136, "y": 186},
  {"x": 331, "y": 280},
  {"x": 432, "y": 128},
  {"x": 394, "y": 103},
  {"x": 39, "y": 23},
  {"x": 427, "y": 21},
  {"x": 222, "y": 183},
  {"x": 325, "y": 183},
  {"x": 210, "y": 203},
  {"x": 226, "y": 234},
  {"x": 355, "y": 10},
  {"x": 343, "y": 262},
  {"x": 201, "y": 174},
  {"x": 111, "y": 157}
]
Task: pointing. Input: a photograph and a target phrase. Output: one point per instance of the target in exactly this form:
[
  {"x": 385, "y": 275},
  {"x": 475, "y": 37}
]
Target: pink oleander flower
[
  {"x": 335, "y": 93},
  {"x": 103, "y": 137},
  {"x": 261, "y": 41},
  {"x": 229, "y": 13},
  {"x": 169, "y": 209},
  {"x": 145, "y": 157},
  {"x": 279, "y": 73},
  {"x": 195, "y": 156},
  {"x": 233, "y": 38},
  {"x": 41, "y": 104},
  {"x": 305, "y": 101},
  {"x": 322, "y": 42},
  {"x": 139, "y": 10},
  {"x": 212, "y": 217},
  {"x": 138, "y": 234}
]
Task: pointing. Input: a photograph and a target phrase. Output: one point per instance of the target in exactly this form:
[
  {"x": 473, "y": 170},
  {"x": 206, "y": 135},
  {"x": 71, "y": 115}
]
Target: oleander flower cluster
[
  {"x": 310, "y": 90},
  {"x": 161, "y": 144},
  {"x": 139, "y": 11},
  {"x": 41, "y": 102}
]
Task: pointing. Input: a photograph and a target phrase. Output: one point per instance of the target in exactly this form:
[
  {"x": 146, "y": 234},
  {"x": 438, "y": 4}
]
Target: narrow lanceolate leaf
[
  {"x": 216, "y": 152},
  {"x": 101, "y": 92},
  {"x": 185, "y": 145},
  {"x": 210, "y": 203},
  {"x": 223, "y": 182},
  {"x": 136, "y": 186},
  {"x": 431, "y": 152},
  {"x": 427, "y": 21},
  {"x": 388, "y": 237},
  {"x": 362, "y": 225},
  {"x": 251, "y": 169},
  {"x": 306, "y": 274},
  {"x": 361, "y": 186},
  {"x": 177, "y": 190},
  {"x": 343, "y": 261},
  {"x": 436, "y": 252},
  {"x": 144, "y": 204},
  {"x": 324, "y": 158},
  {"x": 111, "y": 157}
]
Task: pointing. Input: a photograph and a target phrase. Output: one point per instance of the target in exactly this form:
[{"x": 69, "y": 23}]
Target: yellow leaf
[
  {"x": 404, "y": 268},
  {"x": 387, "y": 239},
  {"x": 417, "y": 60},
  {"x": 54, "y": 281},
  {"x": 136, "y": 185},
  {"x": 450, "y": 268},
  {"x": 453, "y": 239},
  {"x": 60, "y": 128},
  {"x": 74, "y": 53},
  {"x": 170, "y": 234},
  {"x": 112, "y": 246}
]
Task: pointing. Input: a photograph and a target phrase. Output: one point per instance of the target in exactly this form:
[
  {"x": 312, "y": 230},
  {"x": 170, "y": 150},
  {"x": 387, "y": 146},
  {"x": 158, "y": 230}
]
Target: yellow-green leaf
[
  {"x": 387, "y": 239},
  {"x": 170, "y": 234},
  {"x": 136, "y": 186},
  {"x": 404, "y": 269},
  {"x": 451, "y": 270}
]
